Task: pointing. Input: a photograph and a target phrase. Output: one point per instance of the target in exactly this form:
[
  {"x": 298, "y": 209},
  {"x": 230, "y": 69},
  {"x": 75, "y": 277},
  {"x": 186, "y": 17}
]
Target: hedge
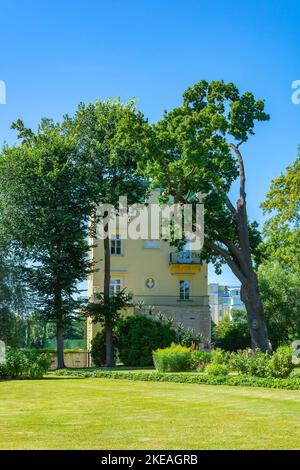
[{"x": 197, "y": 378}]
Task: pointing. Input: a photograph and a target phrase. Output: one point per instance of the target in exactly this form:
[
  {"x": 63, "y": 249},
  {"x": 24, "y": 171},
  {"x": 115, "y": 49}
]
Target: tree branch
[
  {"x": 227, "y": 257},
  {"x": 230, "y": 206},
  {"x": 238, "y": 154}
]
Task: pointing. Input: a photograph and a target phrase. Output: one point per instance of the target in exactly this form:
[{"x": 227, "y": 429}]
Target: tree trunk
[
  {"x": 110, "y": 359},
  {"x": 255, "y": 312},
  {"x": 59, "y": 328},
  {"x": 60, "y": 346},
  {"x": 238, "y": 257}
]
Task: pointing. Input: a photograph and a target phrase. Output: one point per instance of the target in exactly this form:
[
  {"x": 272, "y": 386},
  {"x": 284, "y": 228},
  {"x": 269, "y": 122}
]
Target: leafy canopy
[
  {"x": 282, "y": 229},
  {"x": 192, "y": 153}
]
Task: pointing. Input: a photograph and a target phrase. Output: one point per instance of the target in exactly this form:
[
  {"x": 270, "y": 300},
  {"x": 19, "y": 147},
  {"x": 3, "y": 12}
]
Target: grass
[{"x": 69, "y": 413}]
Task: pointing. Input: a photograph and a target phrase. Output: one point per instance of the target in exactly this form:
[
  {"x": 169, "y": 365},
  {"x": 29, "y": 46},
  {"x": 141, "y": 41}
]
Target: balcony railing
[
  {"x": 185, "y": 257},
  {"x": 170, "y": 300}
]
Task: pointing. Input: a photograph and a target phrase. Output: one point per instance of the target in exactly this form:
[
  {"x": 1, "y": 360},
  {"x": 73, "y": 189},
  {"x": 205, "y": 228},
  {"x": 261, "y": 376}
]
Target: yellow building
[{"x": 157, "y": 276}]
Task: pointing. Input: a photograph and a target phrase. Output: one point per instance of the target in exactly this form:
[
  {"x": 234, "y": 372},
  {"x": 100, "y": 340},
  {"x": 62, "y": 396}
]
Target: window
[
  {"x": 116, "y": 245},
  {"x": 115, "y": 286},
  {"x": 185, "y": 254},
  {"x": 152, "y": 244},
  {"x": 184, "y": 290}
]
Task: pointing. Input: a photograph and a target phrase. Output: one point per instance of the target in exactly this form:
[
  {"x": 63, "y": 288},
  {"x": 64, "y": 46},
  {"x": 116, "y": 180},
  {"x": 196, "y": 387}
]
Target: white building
[{"x": 222, "y": 299}]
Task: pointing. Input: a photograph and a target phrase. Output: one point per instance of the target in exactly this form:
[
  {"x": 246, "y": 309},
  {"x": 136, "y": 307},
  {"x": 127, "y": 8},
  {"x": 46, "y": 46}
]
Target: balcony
[
  {"x": 171, "y": 300},
  {"x": 185, "y": 257}
]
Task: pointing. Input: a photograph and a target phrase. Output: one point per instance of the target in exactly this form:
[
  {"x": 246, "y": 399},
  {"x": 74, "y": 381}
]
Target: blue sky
[{"x": 54, "y": 54}]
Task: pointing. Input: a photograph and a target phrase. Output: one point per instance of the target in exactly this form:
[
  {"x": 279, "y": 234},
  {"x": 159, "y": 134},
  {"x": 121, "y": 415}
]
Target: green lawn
[{"x": 68, "y": 413}]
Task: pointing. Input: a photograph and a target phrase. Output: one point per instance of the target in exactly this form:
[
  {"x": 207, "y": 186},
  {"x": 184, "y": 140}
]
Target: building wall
[
  {"x": 137, "y": 264},
  {"x": 222, "y": 299}
]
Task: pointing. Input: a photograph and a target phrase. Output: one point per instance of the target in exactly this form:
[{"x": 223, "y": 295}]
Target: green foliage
[
  {"x": 12, "y": 328},
  {"x": 280, "y": 292},
  {"x": 200, "y": 359},
  {"x": 37, "y": 364},
  {"x": 282, "y": 230},
  {"x": 176, "y": 358},
  {"x": 234, "y": 334},
  {"x": 107, "y": 312},
  {"x": 112, "y": 137},
  {"x": 214, "y": 333},
  {"x": 14, "y": 295},
  {"x": 250, "y": 362},
  {"x": 257, "y": 363},
  {"x": 239, "y": 361},
  {"x": 44, "y": 213},
  {"x": 216, "y": 369},
  {"x": 50, "y": 186},
  {"x": 138, "y": 336},
  {"x": 281, "y": 364},
  {"x": 98, "y": 350},
  {"x": 186, "y": 337},
  {"x": 219, "y": 356},
  {"x": 25, "y": 363},
  {"x": 232, "y": 380},
  {"x": 192, "y": 154}
]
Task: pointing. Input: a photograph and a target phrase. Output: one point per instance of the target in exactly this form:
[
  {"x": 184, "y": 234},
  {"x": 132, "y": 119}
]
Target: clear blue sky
[{"x": 54, "y": 54}]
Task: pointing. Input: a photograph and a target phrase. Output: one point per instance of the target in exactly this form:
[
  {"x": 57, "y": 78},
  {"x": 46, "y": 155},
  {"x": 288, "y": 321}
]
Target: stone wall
[
  {"x": 73, "y": 359},
  {"x": 191, "y": 317}
]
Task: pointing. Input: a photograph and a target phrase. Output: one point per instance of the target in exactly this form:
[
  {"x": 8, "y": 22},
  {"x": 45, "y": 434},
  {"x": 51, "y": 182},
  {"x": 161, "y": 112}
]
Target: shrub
[
  {"x": 251, "y": 362},
  {"x": 216, "y": 369},
  {"x": 233, "y": 334},
  {"x": 281, "y": 364},
  {"x": 186, "y": 338},
  {"x": 176, "y": 358},
  {"x": 278, "y": 365},
  {"x": 16, "y": 362},
  {"x": 259, "y": 364},
  {"x": 98, "y": 349},
  {"x": 21, "y": 363},
  {"x": 37, "y": 364},
  {"x": 239, "y": 361},
  {"x": 138, "y": 336},
  {"x": 200, "y": 359},
  {"x": 218, "y": 356}
]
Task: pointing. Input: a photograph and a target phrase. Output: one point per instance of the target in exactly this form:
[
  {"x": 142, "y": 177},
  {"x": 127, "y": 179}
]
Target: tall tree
[
  {"x": 44, "y": 209},
  {"x": 278, "y": 275},
  {"x": 111, "y": 136},
  {"x": 15, "y": 301},
  {"x": 282, "y": 229},
  {"x": 280, "y": 291},
  {"x": 199, "y": 149}
]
